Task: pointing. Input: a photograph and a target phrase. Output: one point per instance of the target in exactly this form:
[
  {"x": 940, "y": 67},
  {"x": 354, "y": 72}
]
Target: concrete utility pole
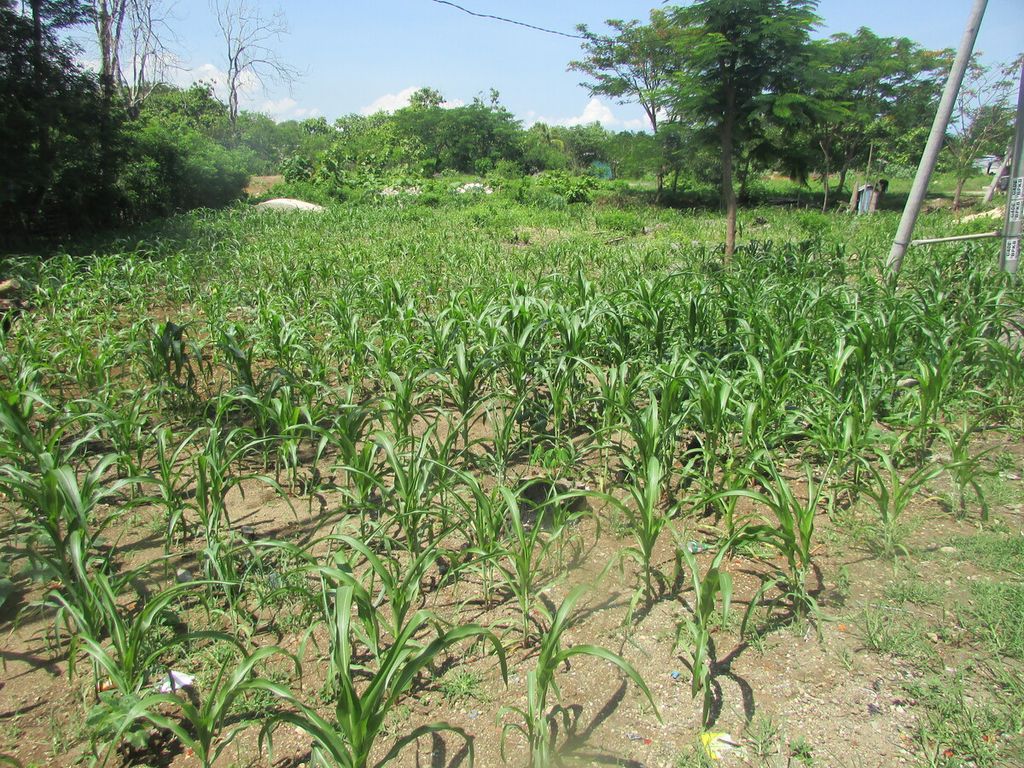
[
  {"x": 1009, "y": 258},
  {"x": 935, "y": 138}
]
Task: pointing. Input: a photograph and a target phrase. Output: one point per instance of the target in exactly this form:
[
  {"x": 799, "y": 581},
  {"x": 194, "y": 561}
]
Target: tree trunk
[
  {"x": 959, "y": 191},
  {"x": 842, "y": 179},
  {"x": 743, "y": 174},
  {"x": 43, "y": 107},
  {"x": 824, "y": 183},
  {"x": 728, "y": 193},
  {"x": 675, "y": 181},
  {"x": 105, "y": 31}
]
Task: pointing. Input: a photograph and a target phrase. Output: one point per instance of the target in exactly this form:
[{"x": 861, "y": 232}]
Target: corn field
[{"x": 271, "y": 483}]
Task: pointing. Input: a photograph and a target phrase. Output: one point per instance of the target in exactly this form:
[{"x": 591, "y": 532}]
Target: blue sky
[{"x": 357, "y": 56}]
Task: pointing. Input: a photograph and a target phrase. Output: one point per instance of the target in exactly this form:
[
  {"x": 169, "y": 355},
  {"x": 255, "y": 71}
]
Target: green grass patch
[
  {"x": 992, "y": 551},
  {"x": 971, "y": 720},
  {"x": 995, "y": 615},
  {"x": 896, "y": 632},
  {"x": 461, "y": 685},
  {"x": 915, "y": 592}
]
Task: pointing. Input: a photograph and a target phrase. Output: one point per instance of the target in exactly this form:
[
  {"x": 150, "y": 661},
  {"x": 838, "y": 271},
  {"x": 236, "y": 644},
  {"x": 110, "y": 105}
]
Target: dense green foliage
[
  {"x": 732, "y": 90},
  {"x": 74, "y": 159}
]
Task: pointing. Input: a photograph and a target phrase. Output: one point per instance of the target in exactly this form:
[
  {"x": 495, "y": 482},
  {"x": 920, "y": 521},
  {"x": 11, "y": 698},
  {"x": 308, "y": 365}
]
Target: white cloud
[
  {"x": 250, "y": 92},
  {"x": 390, "y": 102},
  {"x": 596, "y": 111},
  {"x": 208, "y": 73},
  {"x": 286, "y": 108},
  {"x": 248, "y": 87}
]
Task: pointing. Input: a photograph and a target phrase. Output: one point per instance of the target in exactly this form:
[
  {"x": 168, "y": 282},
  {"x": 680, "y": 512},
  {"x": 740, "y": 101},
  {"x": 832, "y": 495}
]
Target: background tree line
[
  {"x": 96, "y": 149},
  {"x": 731, "y": 89},
  {"x": 744, "y": 78}
]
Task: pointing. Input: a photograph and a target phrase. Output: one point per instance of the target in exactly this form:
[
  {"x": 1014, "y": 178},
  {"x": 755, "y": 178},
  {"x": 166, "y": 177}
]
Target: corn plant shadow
[
  {"x": 439, "y": 754},
  {"x": 574, "y": 750},
  {"x": 46, "y": 658},
  {"x": 24, "y": 709},
  {"x": 161, "y": 751},
  {"x": 723, "y": 669},
  {"x": 294, "y": 761}
]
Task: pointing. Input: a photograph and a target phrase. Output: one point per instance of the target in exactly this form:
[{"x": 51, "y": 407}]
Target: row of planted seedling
[
  {"x": 408, "y": 497},
  {"x": 456, "y": 431}
]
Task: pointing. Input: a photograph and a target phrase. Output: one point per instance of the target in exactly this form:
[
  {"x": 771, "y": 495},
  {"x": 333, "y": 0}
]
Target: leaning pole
[
  {"x": 935, "y": 139},
  {"x": 1009, "y": 257}
]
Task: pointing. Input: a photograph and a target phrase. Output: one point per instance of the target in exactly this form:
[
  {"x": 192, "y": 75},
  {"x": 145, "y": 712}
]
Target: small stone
[
  {"x": 183, "y": 576},
  {"x": 948, "y": 550}
]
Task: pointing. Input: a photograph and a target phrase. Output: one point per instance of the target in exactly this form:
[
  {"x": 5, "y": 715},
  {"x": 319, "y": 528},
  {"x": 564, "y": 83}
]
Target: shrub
[
  {"x": 173, "y": 167},
  {"x": 573, "y": 188},
  {"x": 626, "y": 222}
]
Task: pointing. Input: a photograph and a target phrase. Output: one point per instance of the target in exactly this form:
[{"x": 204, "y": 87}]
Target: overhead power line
[{"x": 508, "y": 21}]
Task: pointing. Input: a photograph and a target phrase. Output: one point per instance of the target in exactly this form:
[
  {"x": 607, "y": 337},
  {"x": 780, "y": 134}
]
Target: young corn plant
[
  {"x": 124, "y": 649},
  {"x": 466, "y": 376},
  {"x": 965, "y": 467},
  {"x": 616, "y": 389},
  {"x": 168, "y": 361},
  {"x": 892, "y": 493},
  {"x": 215, "y": 475},
  {"x": 483, "y": 524},
  {"x": 125, "y": 425},
  {"x": 505, "y": 441},
  {"x": 172, "y": 480},
  {"x": 360, "y": 711},
  {"x": 708, "y": 590},
  {"x": 536, "y": 720},
  {"x": 646, "y": 520},
  {"x": 211, "y": 722},
  {"x": 520, "y": 561},
  {"x": 401, "y": 402},
  {"x": 419, "y": 472},
  {"x": 388, "y": 580},
  {"x": 793, "y": 530},
  {"x": 713, "y": 393}
]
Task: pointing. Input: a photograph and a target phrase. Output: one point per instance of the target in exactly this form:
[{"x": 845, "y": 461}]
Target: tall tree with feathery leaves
[{"x": 738, "y": 62}]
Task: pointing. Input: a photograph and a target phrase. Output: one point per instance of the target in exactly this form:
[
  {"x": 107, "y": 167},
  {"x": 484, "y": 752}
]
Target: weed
[
  {"x": 961, "y": 725},
  {"x": 995, "y": 615},
  {"x": 461, "y": 684},
  {"x": 914, "y": 591},
  {"x": 762, "y": 738},
  {"x": 694, "y": 757},
  {"x": 887, "y": 631},
  {"x": 992, "y": 551},
  {"x": 801, "y": 752}
]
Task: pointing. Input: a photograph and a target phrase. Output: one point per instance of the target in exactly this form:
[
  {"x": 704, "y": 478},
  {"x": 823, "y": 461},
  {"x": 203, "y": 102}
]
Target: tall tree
[
  {"x": 248, "y": 34},
  {"x": 863, "y": 88},
  {"x": 426, "y": 98},
  {"x": 634, "y": 65},
  {"x": 739, "y": 61},
  {"x": 144, "y": 51},
  {"x": 982, "y": 121},
  {"x": 48, "y": 114}
]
